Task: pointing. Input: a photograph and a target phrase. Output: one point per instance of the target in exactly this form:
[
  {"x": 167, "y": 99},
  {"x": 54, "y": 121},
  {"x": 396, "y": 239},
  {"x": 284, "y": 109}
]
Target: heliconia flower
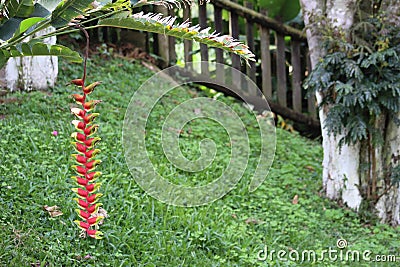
[
  {"x": 80, "y": 99},
  {"x": 91, "y": 188},
  {"x": 94, "y": 220},
  {"x": 79, "y": 147},
  {"x": 82, "y": 193},
  {"x": 88, "y": 89},
  {"x": 90, "y": 118},
  {"x": 79, "y": 169},
  {"x": 92, "y": 142},
  {"x": 83, "y": 214},
  {"x": 91, "y": 176},
  {"x": 80, "y": 180},
  {"x": 93, "y": 208},
  {"x": 83, "y": 204},
  {"x": 94, "y": 233},
  {"x": 79, "y": 125},
  {"x": 78, "y": 82},
  {"x": 78, "y": 136},
  {"x": 78, "y": 112},
  {"x": 93, "y": 198},
  {"x": 84, "y": 145},
  {"x": 88, "y": 106},
  {"x": 79, "y": 158},
  {"x": 92, "y": 153},
  {"x": 91, "y": 130},
  {"x": 82, "y": 225}
]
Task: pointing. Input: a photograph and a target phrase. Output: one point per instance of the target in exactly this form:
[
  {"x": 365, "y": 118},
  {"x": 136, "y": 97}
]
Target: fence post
[
  {"x": 203, "y": 47},
  {"x": 219, "y": 53},
  {"x": 266, "y": 72},
  {"x": 281, "y": 69},
  {"x": 187, "y": 44},
  {"x": 296, "y": 76},
  {"x": 234, "y": 32},
  {"x": 251, "y": 69}
]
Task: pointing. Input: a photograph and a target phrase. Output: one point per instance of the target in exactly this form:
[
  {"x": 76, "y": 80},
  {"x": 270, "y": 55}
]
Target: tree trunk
[
  {"x": 345, "y": 178},
  {"x": 27, "y": 73}
]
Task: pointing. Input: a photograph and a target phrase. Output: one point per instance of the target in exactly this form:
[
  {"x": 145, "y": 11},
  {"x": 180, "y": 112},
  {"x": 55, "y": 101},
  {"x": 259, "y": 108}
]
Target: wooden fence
[{"x": 282, "y": 60}]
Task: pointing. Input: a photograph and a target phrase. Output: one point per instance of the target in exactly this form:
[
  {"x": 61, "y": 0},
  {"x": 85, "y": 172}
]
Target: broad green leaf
[
  {"x": 8, "y": 29},
  {"x": 19, "y": 8},
  {"x": 3, "y": 58},
  {"x": 40, "y": 11},
  {"x": 26, "y": 24},
  {"x": 165, "y": 25},
  {"x": 68, "y": 10},
  {"x": 37, "y": 48}
]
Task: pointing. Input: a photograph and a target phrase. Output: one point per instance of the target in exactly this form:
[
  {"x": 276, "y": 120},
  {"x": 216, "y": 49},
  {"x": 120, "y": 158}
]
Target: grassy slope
[{"x": 34, "y": 171}]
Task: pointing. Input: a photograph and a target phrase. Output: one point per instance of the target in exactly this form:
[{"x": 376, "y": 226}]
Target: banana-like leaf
[
  {"x": 68, "y": 10},
  {"x": 37, "y": 48},
  {"x": 165, "y": 25}
]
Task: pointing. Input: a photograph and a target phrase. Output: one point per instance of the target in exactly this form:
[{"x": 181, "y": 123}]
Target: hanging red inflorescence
[{"x": 86, "y": 164}]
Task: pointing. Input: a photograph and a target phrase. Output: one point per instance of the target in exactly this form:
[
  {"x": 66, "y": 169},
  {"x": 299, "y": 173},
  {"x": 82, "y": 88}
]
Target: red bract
[
  {"x": 78, "y": 136},
  {"x": 93, "y": 208},
  {"x": 90, "y": 118},
  {"x": 92, "y": 142},
  {"x": 92, "y": 176},
  {"x": 91, "y": 130},
  {"x": 95, "y": 234},
  {"x": 84, "y": 143},
  {"x": 92, "y": 153},
  {"x": 80, "y": 180},
  {"x": 79, "y": 147},
  {"x": 78, "y": 98},
  {"x": 93, "y": 198}
]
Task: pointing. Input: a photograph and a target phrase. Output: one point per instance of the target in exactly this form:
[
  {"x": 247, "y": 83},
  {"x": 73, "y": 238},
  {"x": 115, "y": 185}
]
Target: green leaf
[
  {"x": 8, "y": 29},
  {"x": 26, "y": 24},
  {"x": 165, "y": 25},
  {"x": 68, "y": 10},
  {"x": 3, "y": 58},
  {"x": 19, "y": 8},
  {"x": 37, "y": 48}
]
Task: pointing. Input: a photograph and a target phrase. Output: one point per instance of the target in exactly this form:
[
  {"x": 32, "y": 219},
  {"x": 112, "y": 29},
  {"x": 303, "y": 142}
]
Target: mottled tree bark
[{"x": 344, "y": 179}]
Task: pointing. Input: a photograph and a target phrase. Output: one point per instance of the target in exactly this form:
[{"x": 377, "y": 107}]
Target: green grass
[{"x": 140, "y": 231}]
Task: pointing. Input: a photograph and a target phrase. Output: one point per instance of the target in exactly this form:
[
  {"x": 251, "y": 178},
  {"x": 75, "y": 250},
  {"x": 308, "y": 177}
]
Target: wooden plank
[
  {"x": 281, "y": 69},
  {"x": 187, "y": 44},
  {"x": 162, "y": 40},
  {"x": 203, "y": 47},
  {"x": 296, "y": 76},
  {"x": 266, "y": 76},
  {"x": 234, "y": 32},
  {"x": 219, "y": 53},
  {"x": 171, "y": 42},
  {"x": 311, "y": 101},
  {"x": 251, "y": 67}
]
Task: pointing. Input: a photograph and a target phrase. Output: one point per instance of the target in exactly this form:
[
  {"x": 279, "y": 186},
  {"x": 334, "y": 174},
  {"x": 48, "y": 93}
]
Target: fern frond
[{"x": 156, "y": 23}]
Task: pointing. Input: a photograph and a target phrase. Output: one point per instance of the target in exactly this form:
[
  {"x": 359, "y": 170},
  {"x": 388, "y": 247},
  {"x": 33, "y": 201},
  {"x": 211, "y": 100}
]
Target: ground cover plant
[{"x": 286, "y": 212}]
